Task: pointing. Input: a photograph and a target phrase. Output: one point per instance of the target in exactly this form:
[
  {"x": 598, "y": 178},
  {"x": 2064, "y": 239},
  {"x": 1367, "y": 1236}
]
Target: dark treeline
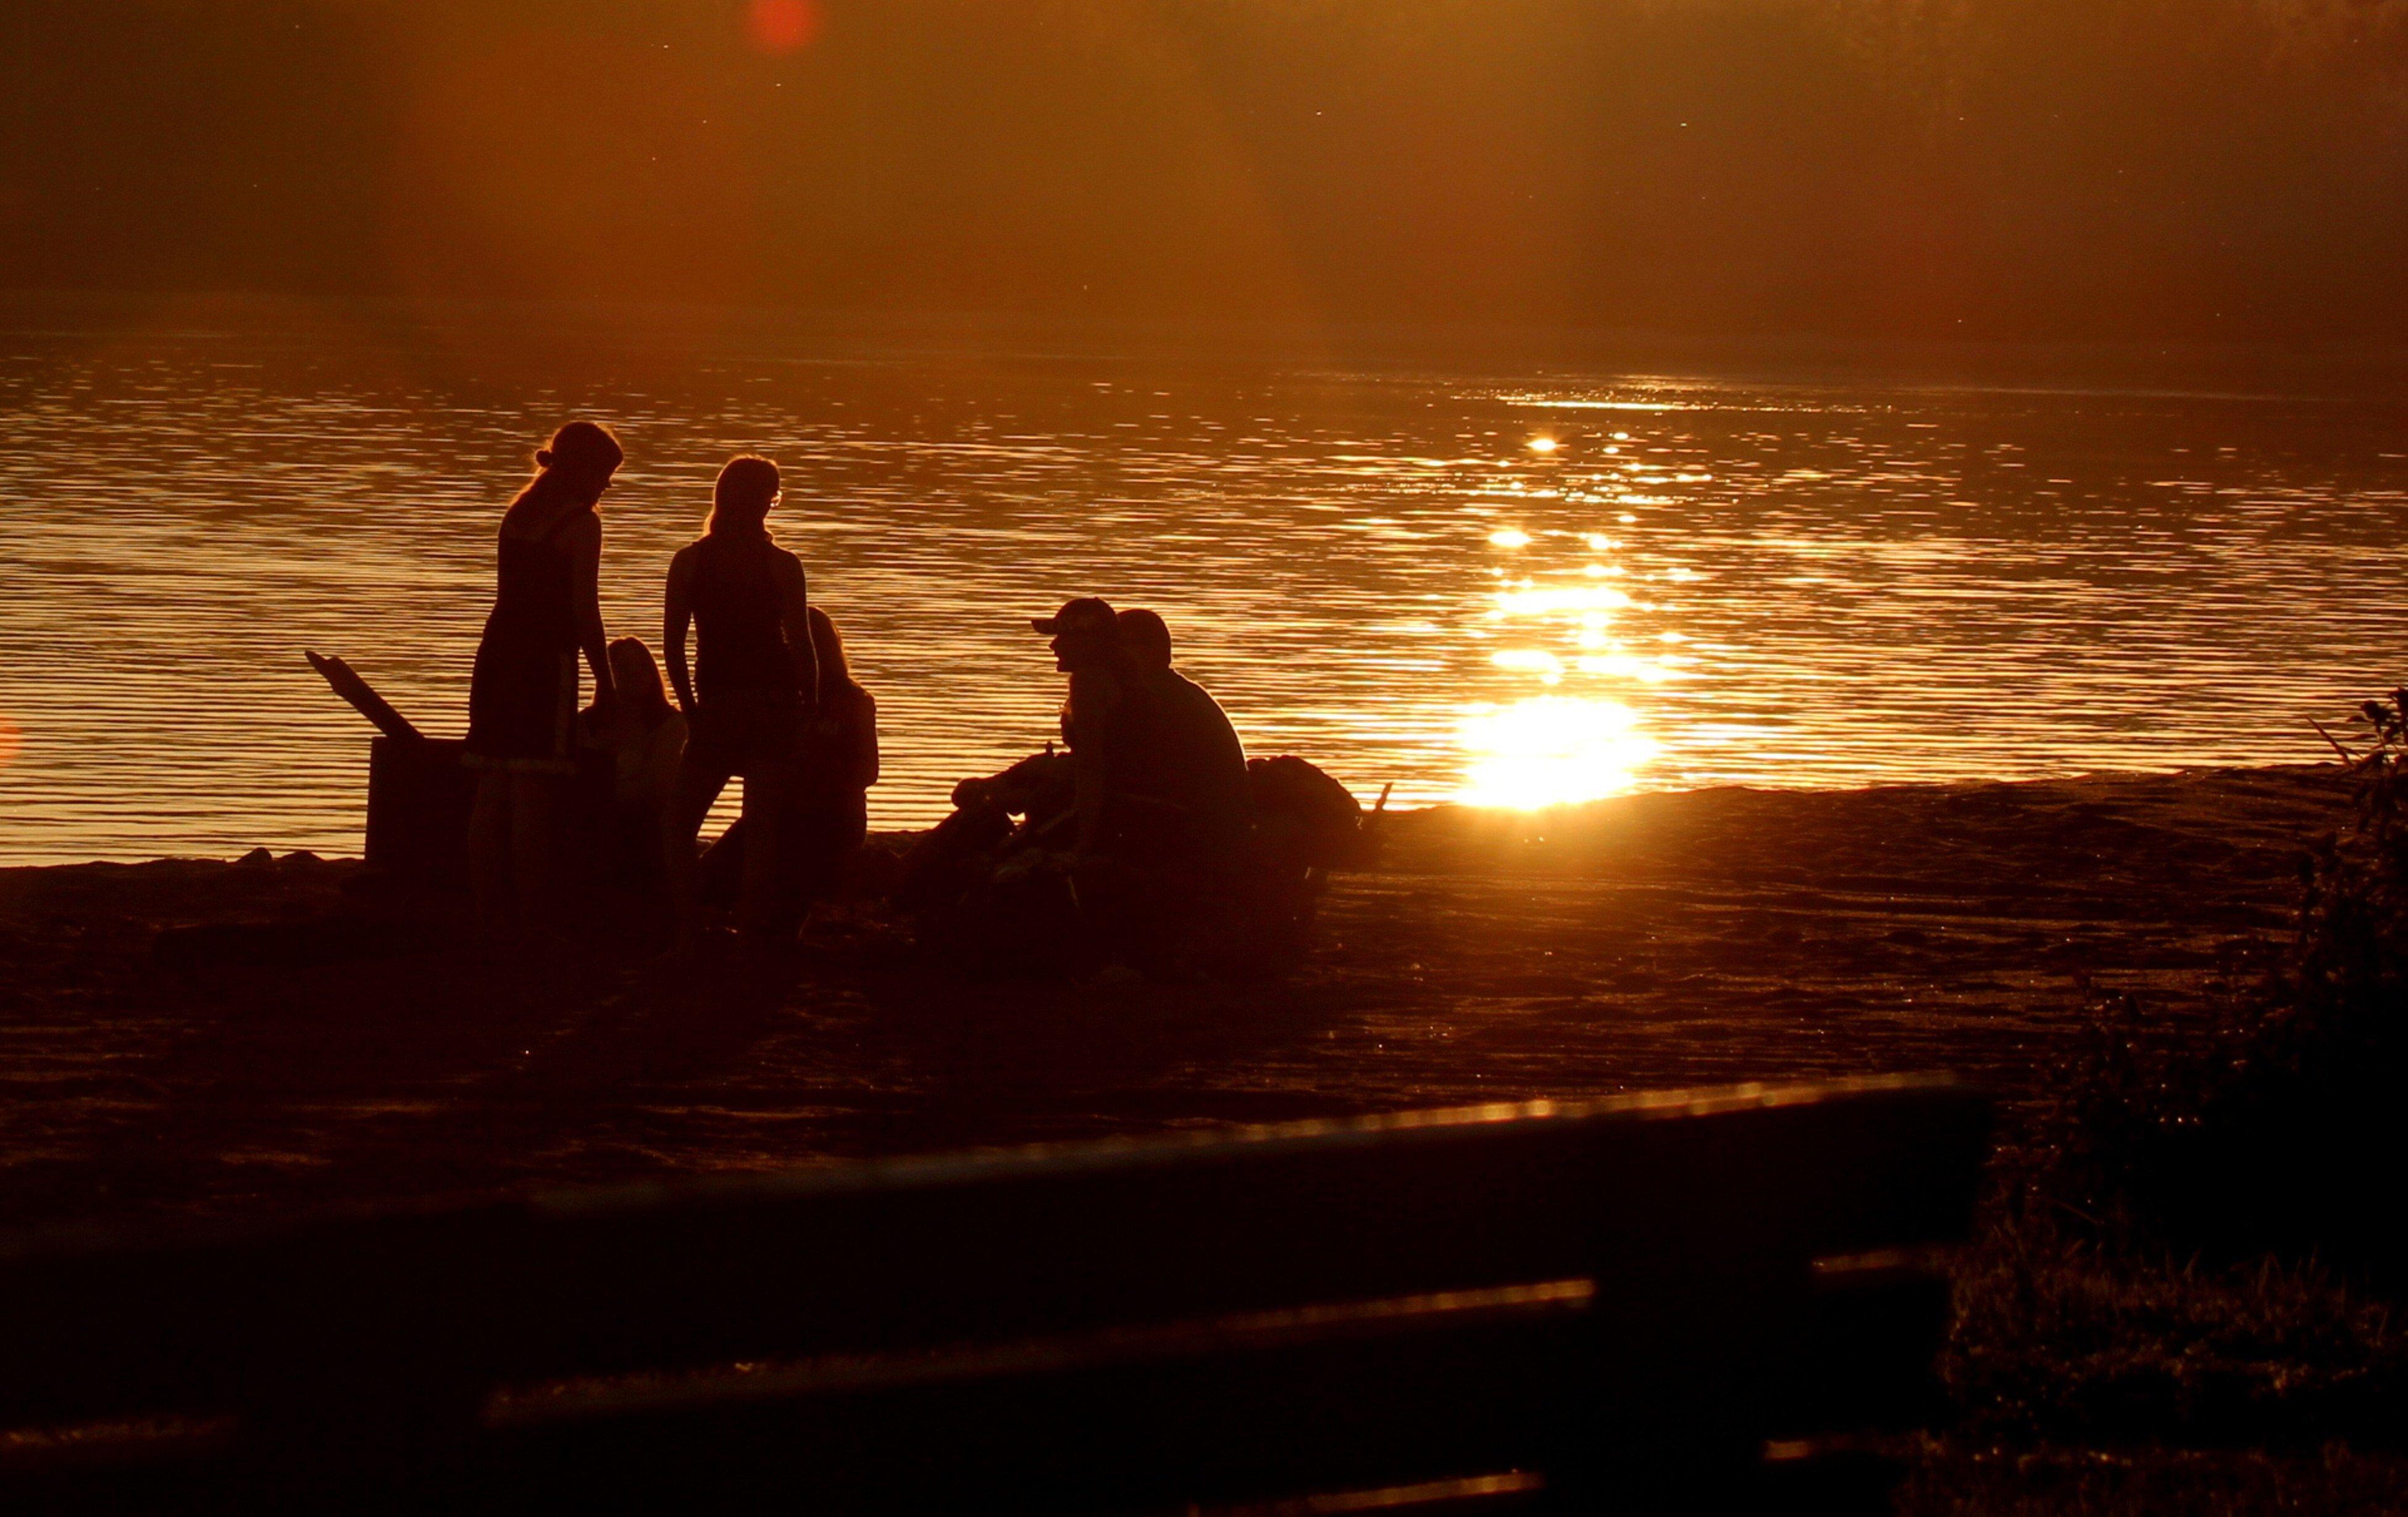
[{"x": 2194, "y": 169}]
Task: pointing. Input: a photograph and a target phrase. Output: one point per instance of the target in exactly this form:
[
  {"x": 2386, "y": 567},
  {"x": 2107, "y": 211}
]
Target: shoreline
[
  {"x": 1651, "y": 941},
  {"x": 1537, "y": 816}
]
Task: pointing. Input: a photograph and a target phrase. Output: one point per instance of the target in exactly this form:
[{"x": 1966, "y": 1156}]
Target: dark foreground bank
[
  {"x": 199, "y": 1037},
  {"x": 281, "y": 1054}
]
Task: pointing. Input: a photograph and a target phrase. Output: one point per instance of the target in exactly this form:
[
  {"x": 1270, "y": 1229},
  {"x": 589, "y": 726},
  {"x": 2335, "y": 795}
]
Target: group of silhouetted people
[
  {"x": 769, "y": 698},
  {"x": 1149, "y": 813}
]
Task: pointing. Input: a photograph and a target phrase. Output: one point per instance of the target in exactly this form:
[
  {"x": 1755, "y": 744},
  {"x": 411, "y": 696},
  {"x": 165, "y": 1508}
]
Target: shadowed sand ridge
[{"x": 1656, "y": 940}]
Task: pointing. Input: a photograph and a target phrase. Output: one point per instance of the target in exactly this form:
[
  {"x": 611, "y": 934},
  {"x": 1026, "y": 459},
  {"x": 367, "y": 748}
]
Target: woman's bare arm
[
  {"x": 866, "y": 761},
  {"x": 585, "y": 560},
  {"x": 792, "y": 601},
  {"x": 676, "y": 610}
]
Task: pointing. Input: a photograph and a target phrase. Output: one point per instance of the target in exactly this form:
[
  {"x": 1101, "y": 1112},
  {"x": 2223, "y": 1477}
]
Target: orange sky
[{"x": 2022, "y": 168}]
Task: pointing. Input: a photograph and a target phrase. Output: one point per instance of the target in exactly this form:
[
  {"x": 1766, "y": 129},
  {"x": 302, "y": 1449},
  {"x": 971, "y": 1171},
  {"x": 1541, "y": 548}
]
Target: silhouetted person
[
  {"x": 755, "y": 678},
  {"x": 523, "y": 697},
  {"x": 827, "y": 816},
  {"x": 956, "y": 858},
  {"x": 643, "y": 737},
  {"x": 1106, "y": 720},
  {"x": 1201, "y": 766},
  {"x": 839, "y": 765}
]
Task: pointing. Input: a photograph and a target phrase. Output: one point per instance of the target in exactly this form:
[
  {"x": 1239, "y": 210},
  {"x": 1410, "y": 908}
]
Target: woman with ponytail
[
  {"x": 757, "y": 678},
  {"x": 523, "y": 697}
]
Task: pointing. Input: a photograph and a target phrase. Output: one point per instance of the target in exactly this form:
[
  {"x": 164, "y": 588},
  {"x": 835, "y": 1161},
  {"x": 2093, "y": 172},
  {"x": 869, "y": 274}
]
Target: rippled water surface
[{"x": 1507, "y": 587}]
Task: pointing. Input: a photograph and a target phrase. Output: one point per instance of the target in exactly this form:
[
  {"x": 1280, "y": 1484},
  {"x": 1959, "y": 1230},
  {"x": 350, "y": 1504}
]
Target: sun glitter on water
[{"x": 1552, "y": 750}]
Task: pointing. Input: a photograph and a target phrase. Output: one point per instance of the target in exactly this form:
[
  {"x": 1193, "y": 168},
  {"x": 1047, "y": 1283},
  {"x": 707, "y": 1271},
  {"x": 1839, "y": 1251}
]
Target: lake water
[{"x": 1501, "y": 586}]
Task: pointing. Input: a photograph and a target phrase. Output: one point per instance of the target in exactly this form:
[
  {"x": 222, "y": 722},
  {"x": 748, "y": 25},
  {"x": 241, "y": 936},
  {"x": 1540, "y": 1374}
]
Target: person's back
[
  {"x": 757, "y": 678},
  {"x": 753, "y": 665},
  {"x": 523, "y": 692},
  {"x": 643, "y": 734},
  {"x": 841, "y": 751},
  {"x": 535, "y": 586},
  {"x": 1197, "y": 761},
  {"x": 1203, "y": 762},
  {"x": 739, "y": 594},
  {"x": 523, "y": 689}
]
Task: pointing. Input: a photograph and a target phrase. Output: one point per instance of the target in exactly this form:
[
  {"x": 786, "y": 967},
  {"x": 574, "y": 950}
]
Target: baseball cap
[{"x": 1084, "y": 614}]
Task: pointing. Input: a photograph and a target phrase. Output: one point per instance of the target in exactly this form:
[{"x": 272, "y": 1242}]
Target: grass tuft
[
  {"x": 2182, "y": 1296},
  {"x": 2059, "y": 1337}
]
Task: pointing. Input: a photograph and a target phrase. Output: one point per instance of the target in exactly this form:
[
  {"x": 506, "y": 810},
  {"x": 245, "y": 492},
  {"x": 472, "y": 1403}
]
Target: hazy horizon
[{"x": 2222, "y": 171}]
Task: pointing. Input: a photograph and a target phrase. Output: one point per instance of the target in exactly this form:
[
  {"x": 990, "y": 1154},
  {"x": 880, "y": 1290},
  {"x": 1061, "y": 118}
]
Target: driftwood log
[
  {"x": 364, "y": 700},
  {"x": 418, "y": 793}
]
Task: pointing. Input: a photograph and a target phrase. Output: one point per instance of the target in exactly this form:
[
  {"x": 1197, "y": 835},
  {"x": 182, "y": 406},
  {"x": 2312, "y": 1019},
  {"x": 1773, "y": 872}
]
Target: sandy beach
[{"x": 223, "y": 1038}]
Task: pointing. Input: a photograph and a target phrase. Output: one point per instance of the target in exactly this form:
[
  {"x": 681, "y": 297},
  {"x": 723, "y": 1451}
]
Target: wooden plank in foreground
[{"x": 1616, "y": 1290}]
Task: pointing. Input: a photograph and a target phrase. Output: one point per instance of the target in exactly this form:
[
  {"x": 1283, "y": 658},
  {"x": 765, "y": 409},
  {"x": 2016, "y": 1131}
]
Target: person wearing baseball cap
[
  {"x": 1098, "y": 717},
  {"x": 1084, "y": 616},
  {"x": 1163, "y": 799}
]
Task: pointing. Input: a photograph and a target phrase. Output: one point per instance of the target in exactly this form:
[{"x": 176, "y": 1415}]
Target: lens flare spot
[
  {"x": 780, "y": 26},
  {"x": 1543, "y": 445},
  {"x": 1550, "y": 751},
  {"x": 1508, "y": 537}
]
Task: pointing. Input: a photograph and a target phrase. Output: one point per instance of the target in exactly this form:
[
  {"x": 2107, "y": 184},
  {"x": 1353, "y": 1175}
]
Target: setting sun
[{"x": 1552, "y": 750}]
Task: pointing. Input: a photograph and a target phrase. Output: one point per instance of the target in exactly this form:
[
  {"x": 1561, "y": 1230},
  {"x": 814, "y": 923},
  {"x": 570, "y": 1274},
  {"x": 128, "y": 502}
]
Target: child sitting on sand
[
  {"x": 827, "y": 818},
  {"x": 839, "y": 756},
  {"x": 644, "y": 737}
]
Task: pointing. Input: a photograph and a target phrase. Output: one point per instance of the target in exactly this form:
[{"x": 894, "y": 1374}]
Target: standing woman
[
  {"x": 757, "y": 678},
  {"x": 522, "y": 699}
]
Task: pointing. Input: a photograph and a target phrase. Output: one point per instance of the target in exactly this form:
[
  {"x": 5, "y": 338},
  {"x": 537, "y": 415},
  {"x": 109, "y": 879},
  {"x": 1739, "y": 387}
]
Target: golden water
[{"x": 1515, "y": 589}]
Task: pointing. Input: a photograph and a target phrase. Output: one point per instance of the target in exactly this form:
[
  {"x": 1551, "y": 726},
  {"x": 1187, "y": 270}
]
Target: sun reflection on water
[
  {"x": 1552, "y": 750},
  {"x": 1576, "y": 739}
]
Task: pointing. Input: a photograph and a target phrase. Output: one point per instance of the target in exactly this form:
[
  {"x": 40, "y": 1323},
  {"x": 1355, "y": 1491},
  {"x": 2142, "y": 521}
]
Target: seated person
[
  {"x": 839, "y": 762},
  {"x": 826, "y": 819},
  {"x": 965, "y": 847},
  {"x": 1109, "y": 724},
  {"x": 643, "y": 737},
  {"x": 1202, "y": 763},
  {"x": 1039, "y": 788}
]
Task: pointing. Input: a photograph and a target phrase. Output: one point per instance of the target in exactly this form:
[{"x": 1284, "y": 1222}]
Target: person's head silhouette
[
  {"x": 1146, "y": 636},
  {"x": 828, "y": 644},
  {"x": 748, "y": 487},
  {"x": 1085, "y": 634},
  {"x": 637, "y": 677},
  {"x": 580, "y": 460}
]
